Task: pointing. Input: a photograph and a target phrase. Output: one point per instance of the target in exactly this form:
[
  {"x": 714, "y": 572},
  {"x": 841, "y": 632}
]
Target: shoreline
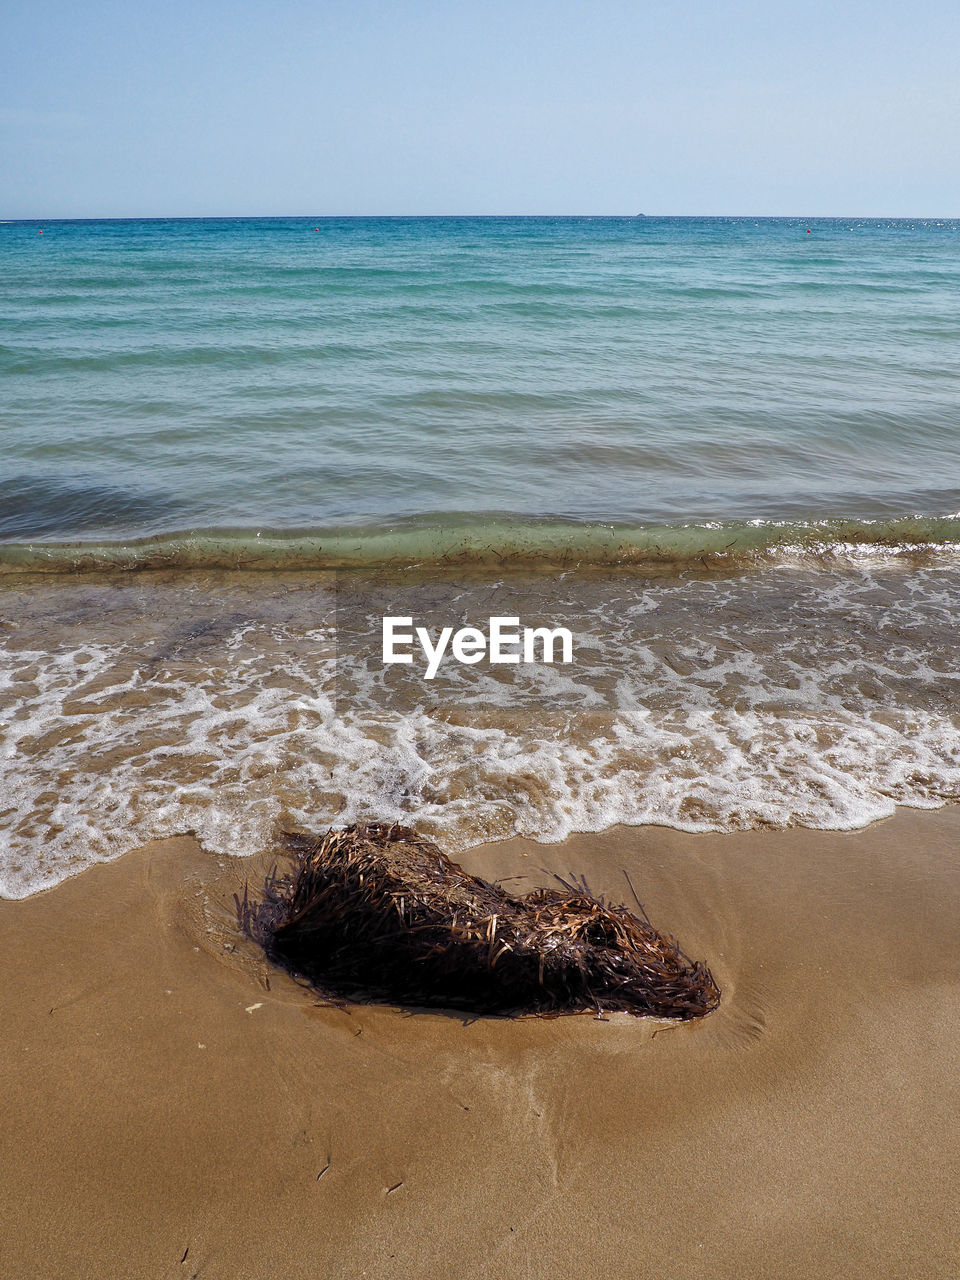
[{"x": 174, "y": 1106}]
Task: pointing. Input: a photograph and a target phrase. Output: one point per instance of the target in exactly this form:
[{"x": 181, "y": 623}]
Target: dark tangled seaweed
[{"x": 377, "y": 912}]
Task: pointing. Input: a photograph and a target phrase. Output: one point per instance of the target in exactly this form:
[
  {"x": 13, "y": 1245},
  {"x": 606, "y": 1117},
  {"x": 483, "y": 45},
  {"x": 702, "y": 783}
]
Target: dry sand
[{"x": 172, "y": 1108}]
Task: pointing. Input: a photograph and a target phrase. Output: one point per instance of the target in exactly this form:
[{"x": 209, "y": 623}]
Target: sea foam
[{"x": 229, "y": 707}]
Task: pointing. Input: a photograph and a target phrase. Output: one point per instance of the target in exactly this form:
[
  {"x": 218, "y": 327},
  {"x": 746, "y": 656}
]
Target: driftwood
[{"x": 378, "y": 913}]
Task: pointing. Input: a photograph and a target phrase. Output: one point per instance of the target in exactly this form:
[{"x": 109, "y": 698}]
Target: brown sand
[{"x": 166, "y": 1114}]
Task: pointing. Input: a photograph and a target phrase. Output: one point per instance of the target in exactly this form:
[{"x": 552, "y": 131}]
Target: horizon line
[{"x": 342, "y": 217}]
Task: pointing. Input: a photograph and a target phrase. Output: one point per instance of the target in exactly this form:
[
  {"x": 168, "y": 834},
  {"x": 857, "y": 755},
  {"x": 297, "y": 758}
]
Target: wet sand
[{"x": 173, "y": 1107}]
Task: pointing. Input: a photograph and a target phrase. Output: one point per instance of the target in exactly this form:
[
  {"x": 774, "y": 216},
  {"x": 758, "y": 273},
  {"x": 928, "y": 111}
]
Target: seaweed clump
[{"x": 378, "y": 913}]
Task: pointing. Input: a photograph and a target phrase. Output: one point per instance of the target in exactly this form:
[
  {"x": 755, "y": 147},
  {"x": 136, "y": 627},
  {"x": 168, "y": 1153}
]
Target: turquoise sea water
[
  {"x": 457, "y": 378},
  {"x": 722, "y": 452}
]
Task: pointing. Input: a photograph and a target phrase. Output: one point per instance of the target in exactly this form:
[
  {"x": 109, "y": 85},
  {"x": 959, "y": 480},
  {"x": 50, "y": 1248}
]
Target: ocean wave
[
  {"x": 231, "y": 704},
  {"x": 500, "y": 543}
]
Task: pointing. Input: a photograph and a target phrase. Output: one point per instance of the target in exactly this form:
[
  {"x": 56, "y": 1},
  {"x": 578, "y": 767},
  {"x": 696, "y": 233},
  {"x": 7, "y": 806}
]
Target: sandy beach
[
  {"x": 175, "y": 1107},
  {"x": 524, "y": 432}
]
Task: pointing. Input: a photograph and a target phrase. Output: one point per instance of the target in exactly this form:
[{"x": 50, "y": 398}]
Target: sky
[{"x": 343, "y": 107}]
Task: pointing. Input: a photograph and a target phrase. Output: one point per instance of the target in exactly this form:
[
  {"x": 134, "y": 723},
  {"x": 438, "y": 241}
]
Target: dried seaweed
[{"x": 379, "y": 913}]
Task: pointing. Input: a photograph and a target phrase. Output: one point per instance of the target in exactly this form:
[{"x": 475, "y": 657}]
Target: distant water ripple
[{"x": 264, "y": 374}]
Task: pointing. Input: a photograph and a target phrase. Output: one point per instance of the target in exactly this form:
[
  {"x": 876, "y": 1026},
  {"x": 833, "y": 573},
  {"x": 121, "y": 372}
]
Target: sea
[{"x": 724, "y": 453}]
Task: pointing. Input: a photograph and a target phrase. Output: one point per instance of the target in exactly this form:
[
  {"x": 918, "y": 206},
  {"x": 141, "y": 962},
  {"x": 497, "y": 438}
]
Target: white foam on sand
[{"x": 694, "y": 704}]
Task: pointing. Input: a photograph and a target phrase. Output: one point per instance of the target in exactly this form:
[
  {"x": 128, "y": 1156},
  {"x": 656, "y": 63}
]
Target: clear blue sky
[{"x": 203, "y": 107}]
